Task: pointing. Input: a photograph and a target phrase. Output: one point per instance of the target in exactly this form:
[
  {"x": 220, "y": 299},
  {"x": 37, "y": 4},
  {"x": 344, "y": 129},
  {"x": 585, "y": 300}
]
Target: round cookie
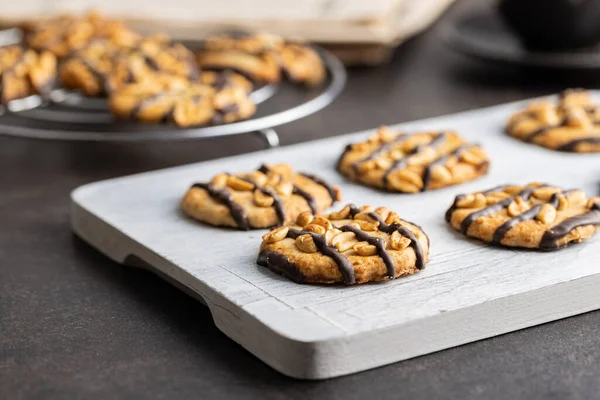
[
  {"x": 570, "y": 124},
  {"x": 413, "y": 163},
  {"x": 255, "y": 56},
  {"x": 25, "y": 72},
  {"x": 351, "y": 246},
  {"x": 166, "y": 98},
  {"x": 68, "y": 33},
  {"x": 535, "y": 216},
  {"x": 102, "y": 67},
  {"x": 273, "y": 195},
  {"x": 262, "y": 57}
]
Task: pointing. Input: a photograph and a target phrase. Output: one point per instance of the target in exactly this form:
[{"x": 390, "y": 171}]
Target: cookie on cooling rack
[
  {"x": 271, "y": 196},
  {"x": 171, "y": 99},
  {"x": 102, "y": 67},
  {"x": 536, "y": 216},
  {"x": 570, "y": 124},
  {"x": 262, "y": 57},
  {"x": 25, "y": 72},
  {"x": 413, "y": 163},
  {"x": 354, "y": 245},
  {"x": 68, "y": 33}
]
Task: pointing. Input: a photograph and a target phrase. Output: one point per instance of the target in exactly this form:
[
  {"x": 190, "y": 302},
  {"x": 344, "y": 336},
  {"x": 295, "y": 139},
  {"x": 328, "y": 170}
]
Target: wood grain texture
[{"x": 467, "y": 292}]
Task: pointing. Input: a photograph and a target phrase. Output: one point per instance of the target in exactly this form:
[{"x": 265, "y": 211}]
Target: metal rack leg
[{"x": 270, "y": 136}]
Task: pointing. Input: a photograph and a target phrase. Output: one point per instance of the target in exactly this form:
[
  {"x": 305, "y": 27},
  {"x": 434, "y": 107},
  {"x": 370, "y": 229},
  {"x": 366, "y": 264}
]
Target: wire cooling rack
[{"x": 66, "y": 115}]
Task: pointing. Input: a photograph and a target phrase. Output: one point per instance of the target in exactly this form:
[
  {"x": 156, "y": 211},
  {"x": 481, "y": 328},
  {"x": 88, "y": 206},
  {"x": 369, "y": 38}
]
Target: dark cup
[{"x": 553, "y": 25}]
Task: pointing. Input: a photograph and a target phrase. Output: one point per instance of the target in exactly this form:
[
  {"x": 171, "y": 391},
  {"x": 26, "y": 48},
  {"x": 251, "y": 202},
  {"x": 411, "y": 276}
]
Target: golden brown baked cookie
[
  {"x": 68, "y": 33},
  {"x": 413, "y": 163},
  {"x": 102, "y": 67},
  {"x": 262, "y": 57},
  {"x": 25, "y": 72},
  {"x": 354, "y": 245},
  {"x": 164, "y": 98},
  {"x": 271, "y": 196},
  {"x": 536, "y": 216},
  {"x": 571, "y": 124}
]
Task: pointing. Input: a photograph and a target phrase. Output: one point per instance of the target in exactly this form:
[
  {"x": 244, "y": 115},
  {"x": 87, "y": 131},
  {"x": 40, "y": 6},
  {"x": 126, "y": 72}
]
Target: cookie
[
  {"x": 273, "y": 195},
  {"x": 25, "y": 73},
  {"x": 66, "y": 34},
  {"x": 263, "y": 57},
  {"x": 102, "y": 67},
  {"x": 301, "y": 64},
  {"x": 413, "y": 163},
  {"x": 535, "y": 216},
  {"x": 170, "y": 99},
  {"x": 354, "y": 245},
  {"x": 570, "y": 124}
]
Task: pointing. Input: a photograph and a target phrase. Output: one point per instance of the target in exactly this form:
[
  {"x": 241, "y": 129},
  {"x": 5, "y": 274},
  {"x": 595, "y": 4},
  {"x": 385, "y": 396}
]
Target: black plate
[{"x": 483, "y": 34}]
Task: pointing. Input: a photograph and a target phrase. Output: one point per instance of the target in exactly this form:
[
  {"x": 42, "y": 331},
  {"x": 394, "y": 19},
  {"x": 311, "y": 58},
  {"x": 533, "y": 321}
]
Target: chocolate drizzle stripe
[
  {"x": 402, "y": 163},
  {"x": 237, "y": 212},
  {"x": 312, "y": 203},
  {"x": 530, "y": 214},
  {"x": 441, "y": 161},
  {"x": 310, "y": 200},
  {"x": 344, "y": 266},
  {"x": 321, "y": 182},
  {"x": 414, "y": 243},
  {"x": 573, "y": 144},
  {"x": 401, "y": 138},
  {"x": 379, "y": 244},
  {"x": 561, "y": 230},
  {"x": 386, "y": 228},
  {"x": 277, "y": 202},
  {"x": 484, "y": 212}
]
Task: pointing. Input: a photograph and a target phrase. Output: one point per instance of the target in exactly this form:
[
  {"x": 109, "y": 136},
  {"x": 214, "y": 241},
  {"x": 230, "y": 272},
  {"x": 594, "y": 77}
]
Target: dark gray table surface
[{"x": 75, "y": 325}]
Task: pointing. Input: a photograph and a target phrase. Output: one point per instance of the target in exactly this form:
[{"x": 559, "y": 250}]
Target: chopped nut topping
[
  {"x": 276, "y": 234},
  {"x": 306, "y": 244}
]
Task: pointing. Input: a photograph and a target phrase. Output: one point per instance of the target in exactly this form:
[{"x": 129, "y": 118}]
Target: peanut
[
  {"x": 330, "y": 234},
  {"x": 545, "y": 193},
  {"x": 262, "y": 200},
  {"x": 405, "y": 180},
  {"x": 517, "y": 206},
  {"x": 547, "y": 214},
  {"x": 365, "y": 249},
  {"x": 495, "y": 197},
  {"x": 219, "y": 181},
  {"x": 258, "y": 178},
  {"x": 398, "y": 242},
  {"x": 322, "y": 221},
  {"x": 343, "y": 241},
  {"x": 304, "y": 218},
  {"x": 318, "y": 229},
  {"x": 276, "y": 235},
  {"x": 441, "y": 174},
  {"x": 366, "y": 226},
  {"x": 393, "y": 218},
  {"x": 285, "y": 188},
  {"x": 363, "y": 216},
  {"x": 383, "y": 212},
  {"x": 344, "y": 213},
  {"x": 563, "y": 203},
  {"x": 473, "y": 156},
  {"x": 477, "y": 200},
  {"x": 423, "y": 157},
  {"x": 306, "y": 244},
  {"x": 238, "y": 184}
]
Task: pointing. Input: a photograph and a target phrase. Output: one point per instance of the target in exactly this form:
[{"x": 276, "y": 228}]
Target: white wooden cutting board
[{"x": 469, "y": 291}]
